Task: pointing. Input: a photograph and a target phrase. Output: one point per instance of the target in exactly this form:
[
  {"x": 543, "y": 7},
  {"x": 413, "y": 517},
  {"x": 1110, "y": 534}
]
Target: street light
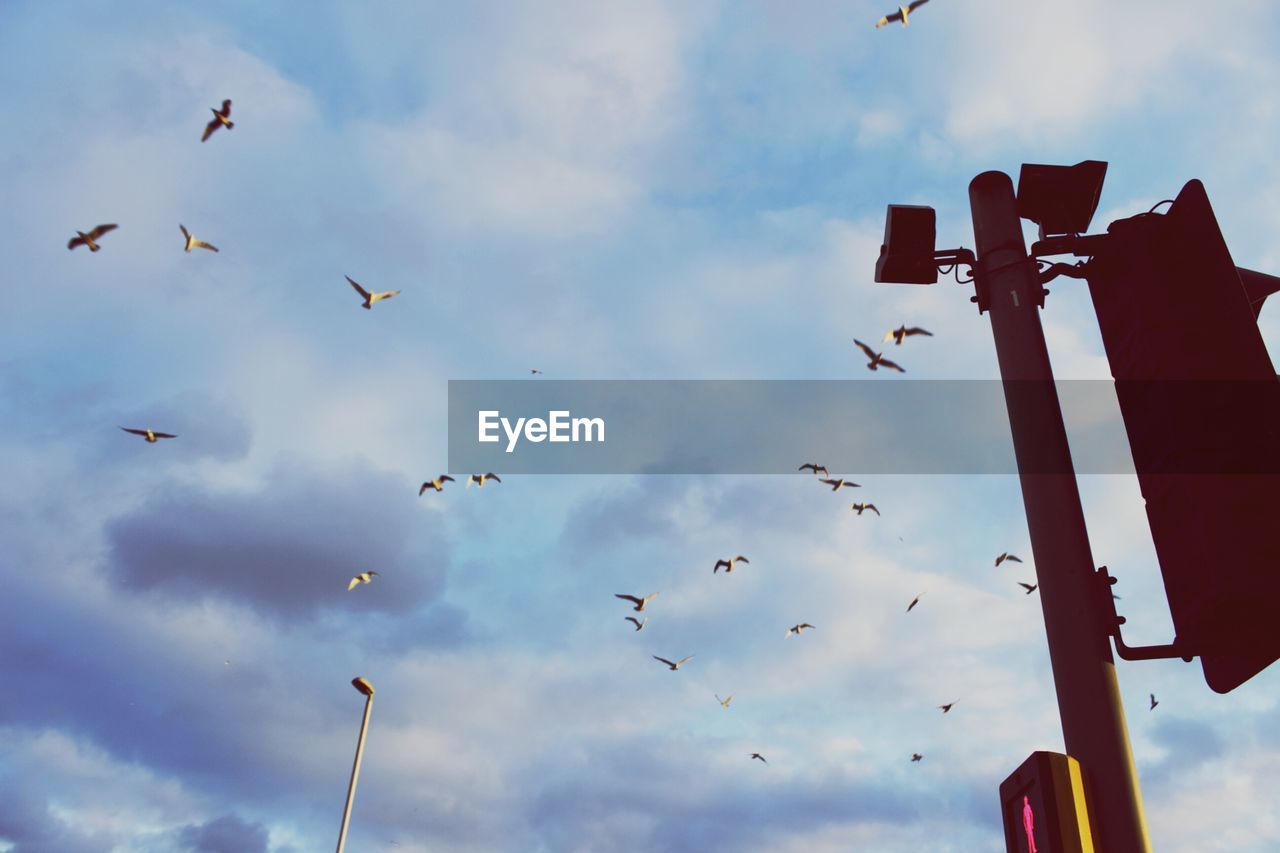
[{"x": 366, "y": 688}]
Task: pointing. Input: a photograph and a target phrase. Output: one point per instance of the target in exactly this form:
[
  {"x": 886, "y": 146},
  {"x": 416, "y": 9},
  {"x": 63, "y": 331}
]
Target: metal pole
[
  {"x": 355, "y": 768},
  {"x": 1093, "y": 724}
]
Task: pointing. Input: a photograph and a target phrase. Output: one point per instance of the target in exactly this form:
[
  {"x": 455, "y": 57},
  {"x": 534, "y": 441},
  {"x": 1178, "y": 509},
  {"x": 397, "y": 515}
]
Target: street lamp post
[{"x": 366, "y": 688}]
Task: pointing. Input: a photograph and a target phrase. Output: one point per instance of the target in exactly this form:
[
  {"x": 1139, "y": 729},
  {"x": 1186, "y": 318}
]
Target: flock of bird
[{"x": 875, "y": 360}]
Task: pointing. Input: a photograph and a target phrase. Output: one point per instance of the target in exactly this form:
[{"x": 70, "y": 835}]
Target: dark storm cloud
[
  {"x": 1188, "y": 743},
  {"x": 226, "y": 834},
  {"x": 27, "y": 823},
  {"x": 287, "y": 549}
]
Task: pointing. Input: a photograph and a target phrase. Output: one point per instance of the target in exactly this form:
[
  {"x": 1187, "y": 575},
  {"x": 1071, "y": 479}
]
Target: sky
[{"x": 647, "y": 190}]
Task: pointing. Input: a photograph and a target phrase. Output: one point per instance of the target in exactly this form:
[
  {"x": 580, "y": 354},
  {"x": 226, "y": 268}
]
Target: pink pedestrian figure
[{"x": 1029, "y": 824}]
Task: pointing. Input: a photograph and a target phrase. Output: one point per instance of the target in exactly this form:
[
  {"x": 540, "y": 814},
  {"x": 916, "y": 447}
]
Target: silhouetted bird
[
  {"x": 1029, "y": 587},
  {"x": 902, "y": 332},
  {"x": 861, "y": 508},
  {"x": 915, "y": 756},
  {"x": 728, "y": 564},
  {"x": 876, "y": 359},
  {"x": 674, "y": 666},
  {"x": 639, "y": 624},
  {"x": 150, "y": 435},
  {"x": 437, "y": 484},
  {"x": 1154, "y": 703},
  {"x": 796, "y": 629},
  {"x": 724, "y": 703},
  {"x": 479, "y": 479},
  {"x": 841, "y": 483},
  {"x": 635, "y": 599},
  {"x": 815, "y": 468},
  {"x": 370, "y": 297},
  {"x": 221, "y": 118},
  {"x": 91, "y": 238},
  {"x": 947, "y": 707},
  {"x": 534, "y": 370},
  {"x": 193, "y": 243},
  {"x": 914, "y": 602},
  {"x": 756, "y": 755},
  {"x": 363, "y": 577},
  {"x": 1009, "y": 557},
  {"x": 902, "y": 14}
]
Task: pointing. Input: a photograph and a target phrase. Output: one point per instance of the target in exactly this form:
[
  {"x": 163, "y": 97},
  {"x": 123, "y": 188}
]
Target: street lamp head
[
  {"x": 1060, "y": 199},
  {"x": 907, "y": 254},
  {"x": 363, "y": 686}
]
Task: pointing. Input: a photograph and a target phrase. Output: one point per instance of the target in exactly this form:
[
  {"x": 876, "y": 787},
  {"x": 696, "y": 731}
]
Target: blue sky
[{"x": 642, "y": 190}]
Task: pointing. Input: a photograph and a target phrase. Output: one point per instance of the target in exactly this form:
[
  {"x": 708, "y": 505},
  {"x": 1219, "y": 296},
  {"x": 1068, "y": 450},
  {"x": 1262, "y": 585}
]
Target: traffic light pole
[{"x": 1093, "y": 724}]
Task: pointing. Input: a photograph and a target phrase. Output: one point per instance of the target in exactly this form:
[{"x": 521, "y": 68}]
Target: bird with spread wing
[
  {"x": 877, "y": 360},
  {"x": 90, "y": 238},
  {"x": 221, "y": 118},
  {"x": 903, "y": 13},
  {"x": 370, "y": 297}
]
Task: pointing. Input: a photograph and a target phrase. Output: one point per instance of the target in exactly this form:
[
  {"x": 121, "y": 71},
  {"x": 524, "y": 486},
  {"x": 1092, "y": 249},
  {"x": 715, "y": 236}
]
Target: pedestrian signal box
[{"x": 1043, "y": 806}]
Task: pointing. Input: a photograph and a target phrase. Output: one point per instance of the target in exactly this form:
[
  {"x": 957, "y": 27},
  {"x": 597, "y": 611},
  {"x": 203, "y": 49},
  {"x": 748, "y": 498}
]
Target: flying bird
[
  {"x": 902, "y": 14},
  {"x": 635, "y": 599},
  {"x": 915, "y": 756},
  {"x": 674, "y": 666},
  {"x": 221, "y": 118},
  {"x": 861, "y": 508},
  {"x": 193, "y": 243},
  {"x": 728, "y": 564},
  {"x": 437, "y": 484},
  {"x": 1154, "y": 703},
  {"x": 876, "y": 359},
  {"x": 724, "y": 703},
  {"x": 947, "y": 707},
  {"x": 841, "y": 483},
  {"x": 638, "y": 623},
  {"x": 914, "y": 602},
  {"x": 90, "y": 239},
  {"x": 901, "y": 333},
  {"x": 150, "y": 435},
  {"x": 370, "y": 298},
  {"x": 1029, "y": 587},
  {"x": 756, "y": 755},
  {"x": 1009, "y": 557},
  {"x": 796, "y": 629},
  {"x": 814, "y": 467},
  {"x": 534, "y": 370},
  {"x": 479, "y": 479},
  {"x": 363, "y": 577}
]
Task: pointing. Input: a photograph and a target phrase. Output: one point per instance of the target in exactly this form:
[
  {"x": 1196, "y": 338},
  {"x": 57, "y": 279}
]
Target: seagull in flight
[
  {"x": 756, "y": 755},
  {"x": 91, "y": 239},
  {"x": 902, "y": 14},
  {"x": 533, "y": 370},
  {"x": 370, "y": 298},
  {"x": 814, "y": 467},
  {"x": 840, "y": 483},
  {"x": 479, "y": 479},
  {"x": 676, "y": 665},
  {"x": 724, "y": 703},
  {"x": 1154, "y": 703},
  {"x": 221, "y": 118},
  {"x": 915, "y": 756},
  {"x": 437, "y": 484},
  {"x": 902, "y": 332},
  {"x": 1029, "y": 587},
  {"x": 877, "y": 359},
  {"x": 796, "y": 629},
  {"x": 193, "y": 243},
  {"x": 638, "y": 623},
  {"x": 947, "y": 707},
  {"x": 861, "y": 508},
  {"x": 150, "y": 435},
  {"x": 1009, "y": 557},
  {"x": 914, "y": 602},
  {"x": 728, "y": 564},
  {"x": 637, "y": 600},
  {"x": 363, "y": 577}
]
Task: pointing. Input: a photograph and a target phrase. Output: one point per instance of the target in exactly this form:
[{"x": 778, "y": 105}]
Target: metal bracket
[{"x": 1113, "y": 620}]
